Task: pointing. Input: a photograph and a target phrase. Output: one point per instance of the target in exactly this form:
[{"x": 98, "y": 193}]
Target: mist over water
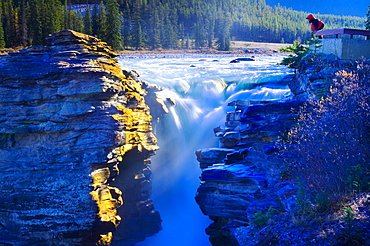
[{"x": 201, "y": 86}]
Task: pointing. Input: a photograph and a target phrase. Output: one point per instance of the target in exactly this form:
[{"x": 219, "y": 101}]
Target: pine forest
[{"x": 159, "y": 24}]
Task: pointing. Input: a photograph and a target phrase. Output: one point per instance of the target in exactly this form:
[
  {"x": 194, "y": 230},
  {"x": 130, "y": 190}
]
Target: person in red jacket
[{"x": 316, "y": 24}]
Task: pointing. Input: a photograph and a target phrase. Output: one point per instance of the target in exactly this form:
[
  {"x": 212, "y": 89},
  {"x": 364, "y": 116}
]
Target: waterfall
[{"x": 200, "y": 87}]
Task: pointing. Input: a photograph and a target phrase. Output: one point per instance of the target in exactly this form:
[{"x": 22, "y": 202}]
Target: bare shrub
[{"x": 329, "y": 147}]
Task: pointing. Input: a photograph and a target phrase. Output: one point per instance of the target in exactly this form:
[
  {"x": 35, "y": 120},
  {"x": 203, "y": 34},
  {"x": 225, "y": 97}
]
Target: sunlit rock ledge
[{"x": 75, "y": 142}]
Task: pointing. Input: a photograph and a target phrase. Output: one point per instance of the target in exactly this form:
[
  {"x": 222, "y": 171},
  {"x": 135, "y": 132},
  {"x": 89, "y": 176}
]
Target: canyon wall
[
  {"x": 243, "y": 180},
  {"x": 75, "y": 142}
]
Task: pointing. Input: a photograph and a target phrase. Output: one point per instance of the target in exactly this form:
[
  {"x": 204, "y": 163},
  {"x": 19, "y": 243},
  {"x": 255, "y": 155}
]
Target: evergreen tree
[
  {"x": 95, "y": 21},
  {"x": 46, "y": 19},
  {"x": 9, "y": 23},
  {"x": 2, "y": 37},
  {"x": 35, "y": 22},
  {"x": 102, "y": 23},
  {"x": 52, "y": 13},
  {"x": 23, "y": 28},
  {"x": 87, "y": 21},
  {"x": 169, "y": 34},
  {"x": 155, "y": 25},
  {"x": 200, "y": 31},
  {"x": 114, "y": 25},
  {"x": 367, "y": 23},
  {"x": 77, "y": 22},
  {"x": 67, "y": 14},
  {"x": 137, "y": 32},
  {"x": 224, "y": 34},
  {"x": 126, "y": 26},
  {"x": 72, "y": 20},
  {"x": 210, "y": 28}
]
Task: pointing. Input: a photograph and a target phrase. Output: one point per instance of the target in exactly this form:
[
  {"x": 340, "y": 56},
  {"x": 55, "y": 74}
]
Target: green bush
[
  {"x": 261, "y": 218},
  {"x": 299, "y": 51},
  {"x": 303, "y": 203}
]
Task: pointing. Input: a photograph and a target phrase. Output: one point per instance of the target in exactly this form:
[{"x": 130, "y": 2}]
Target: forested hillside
[{"x": 159, "y": 23}]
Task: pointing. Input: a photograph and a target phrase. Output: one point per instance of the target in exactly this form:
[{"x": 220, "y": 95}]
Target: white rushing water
[{"x": 201, "y": 86}]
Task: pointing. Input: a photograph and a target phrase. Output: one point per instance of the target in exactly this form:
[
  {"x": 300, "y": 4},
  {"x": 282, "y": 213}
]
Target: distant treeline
[{"x": 159, "y": 23}]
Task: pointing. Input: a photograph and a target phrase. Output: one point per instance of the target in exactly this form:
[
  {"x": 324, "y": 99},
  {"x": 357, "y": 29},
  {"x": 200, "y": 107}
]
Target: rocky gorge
[
  {"x": 76, "y": 137},
  {"x": 75, "y": 145}
]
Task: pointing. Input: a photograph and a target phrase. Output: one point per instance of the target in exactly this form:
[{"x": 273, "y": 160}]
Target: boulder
[
  {"x": 208, "y": 157},
  {"x": 228, "y": 190},
  {"x": 237, "y": 60}
]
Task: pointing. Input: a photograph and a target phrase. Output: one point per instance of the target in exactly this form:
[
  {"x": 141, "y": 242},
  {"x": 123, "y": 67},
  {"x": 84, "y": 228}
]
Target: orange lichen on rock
[
  {"x": 105, "y": 239},
  {"x": 108, "y": 200},
  {"x": 138, "y": 130}
]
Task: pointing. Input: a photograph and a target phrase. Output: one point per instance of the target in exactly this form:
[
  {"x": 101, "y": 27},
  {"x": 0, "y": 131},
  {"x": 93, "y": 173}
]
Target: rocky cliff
[
  {"x": 242, "y": 177},
  {"x": 316, "y": 73},
  {"x": 75, "y": 142},
  {"x": 242, "y": 182}
]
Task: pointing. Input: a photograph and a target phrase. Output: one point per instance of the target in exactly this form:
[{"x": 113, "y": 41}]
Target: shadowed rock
[{"x": 242, "y": 178}]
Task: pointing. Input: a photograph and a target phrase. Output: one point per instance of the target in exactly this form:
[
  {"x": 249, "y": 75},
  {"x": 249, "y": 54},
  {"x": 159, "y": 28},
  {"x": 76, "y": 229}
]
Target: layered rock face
[
  {"x": 75, "y": 142},
  {"x": 243, "y": 176}
]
